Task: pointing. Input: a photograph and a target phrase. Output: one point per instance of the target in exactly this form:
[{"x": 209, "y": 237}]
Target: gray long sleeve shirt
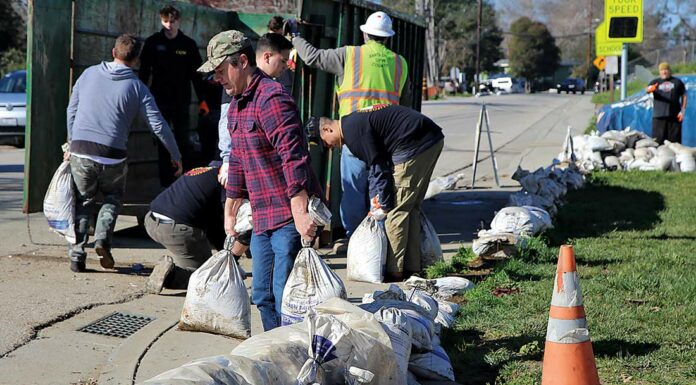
[
  {"x": 107, "y": 100},
  {"x": 332, "y": 61}
]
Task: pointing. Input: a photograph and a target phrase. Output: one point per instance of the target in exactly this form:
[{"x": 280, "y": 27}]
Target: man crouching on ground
[
  {"x": 269, "y": 156},
  {"x": 401, "y": 147}
]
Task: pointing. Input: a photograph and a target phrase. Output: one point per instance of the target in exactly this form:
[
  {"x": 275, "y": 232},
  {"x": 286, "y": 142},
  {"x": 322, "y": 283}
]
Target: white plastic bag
[
  {"x": 686, "y": 162},
  {"x": 424, "y": 300},
  {"x": 434, "y": 365},
  {"x": 441, "y": 184},
  {"x": 399, "y": 331},
  {"x": 244, "y": 222},
  {"x": 367, "y": 252},
  {"x": 525, "y": 220},
  {"x": 334, "y": 347},
  {"x": 217, "y": 300},
  {"x": 431, "y": 250},
  {"x": 227, "y": 369},
  {"x": 310, "y": 283},
  {"x": 449, "y": 286},
  {"x": 59, "y": 203},
  {"x": 446, "y": 313}
]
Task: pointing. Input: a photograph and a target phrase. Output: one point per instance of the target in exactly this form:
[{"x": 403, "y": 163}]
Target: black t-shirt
[
  {"x": 667, "y": 97},
  {"x": 194, "y": 199},
  {"x": 172, "y": 63},
  {"x": 395, "y": 132},
  {"x": 386, "y": 135}
]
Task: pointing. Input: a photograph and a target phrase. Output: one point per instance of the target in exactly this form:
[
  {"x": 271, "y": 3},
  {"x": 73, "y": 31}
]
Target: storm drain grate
[{"x": 117, "y": 325}]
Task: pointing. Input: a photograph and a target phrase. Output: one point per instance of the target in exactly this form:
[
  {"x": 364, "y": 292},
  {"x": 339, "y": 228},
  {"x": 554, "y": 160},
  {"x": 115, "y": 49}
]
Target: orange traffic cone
[{"x": 568, "y": 357}]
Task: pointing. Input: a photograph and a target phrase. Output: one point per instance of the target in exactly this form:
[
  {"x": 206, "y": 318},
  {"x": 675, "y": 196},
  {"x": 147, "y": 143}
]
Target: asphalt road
[{"x": 38, "y": 289}]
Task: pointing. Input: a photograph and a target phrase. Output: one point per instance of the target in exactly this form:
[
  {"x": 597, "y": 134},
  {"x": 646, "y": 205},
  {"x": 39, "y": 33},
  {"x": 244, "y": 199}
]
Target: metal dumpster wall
[
  {"x": 333, "y": 24},
  {"x": 65, "y": 37}
]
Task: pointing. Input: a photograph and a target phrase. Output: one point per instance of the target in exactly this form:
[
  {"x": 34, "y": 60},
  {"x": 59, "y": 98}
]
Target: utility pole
[
  {"x": 478, "y": 49},
  {"x": 425, "y": 9},
  {"x": 589, "y": 46}
]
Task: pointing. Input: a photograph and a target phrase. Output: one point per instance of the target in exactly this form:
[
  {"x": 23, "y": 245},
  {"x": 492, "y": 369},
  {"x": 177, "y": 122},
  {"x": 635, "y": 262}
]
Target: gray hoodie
[{"x": 107, "y": 100}]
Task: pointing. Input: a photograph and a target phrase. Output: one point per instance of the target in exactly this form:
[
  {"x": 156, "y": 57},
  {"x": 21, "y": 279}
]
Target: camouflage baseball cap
[{"x": 222, "y": 45}]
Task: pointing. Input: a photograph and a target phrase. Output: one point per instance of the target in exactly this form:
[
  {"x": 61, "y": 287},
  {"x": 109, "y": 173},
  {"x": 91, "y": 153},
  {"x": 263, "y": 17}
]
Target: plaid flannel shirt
[{"x": 269, "y": 155}]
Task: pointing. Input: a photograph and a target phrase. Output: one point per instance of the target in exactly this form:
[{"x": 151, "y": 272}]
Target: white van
[{"x": 503, "y": 84}]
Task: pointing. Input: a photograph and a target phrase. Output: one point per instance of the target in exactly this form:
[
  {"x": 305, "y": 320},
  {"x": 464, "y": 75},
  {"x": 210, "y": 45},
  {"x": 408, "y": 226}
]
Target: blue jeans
[
  {"x": 90, "y": 178},
  {"x": 274, "y": 253},
  {"x": 355, "y": 199}
]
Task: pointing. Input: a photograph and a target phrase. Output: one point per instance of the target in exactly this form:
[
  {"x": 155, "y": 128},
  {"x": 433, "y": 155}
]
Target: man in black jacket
[
  {"x": 170, "y": 59},
  {"x": 400, "y": 147},
  {"x": 186, "y": 218}
]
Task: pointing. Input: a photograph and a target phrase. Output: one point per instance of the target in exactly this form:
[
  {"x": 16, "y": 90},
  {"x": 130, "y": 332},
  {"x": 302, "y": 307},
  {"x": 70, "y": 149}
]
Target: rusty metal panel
[{"x": 48, "y": 71}]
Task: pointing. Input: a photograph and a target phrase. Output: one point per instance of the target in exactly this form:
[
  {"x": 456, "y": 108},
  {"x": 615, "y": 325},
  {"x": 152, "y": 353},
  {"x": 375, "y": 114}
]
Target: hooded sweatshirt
[{"x": 107, "y": 100}]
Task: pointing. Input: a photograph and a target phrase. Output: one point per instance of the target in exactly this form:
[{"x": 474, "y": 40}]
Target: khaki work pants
[{"x": 411, "y": 180}]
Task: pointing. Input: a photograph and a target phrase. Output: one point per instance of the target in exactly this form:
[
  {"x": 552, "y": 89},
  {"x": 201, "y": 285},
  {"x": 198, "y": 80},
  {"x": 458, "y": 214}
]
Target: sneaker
[
  {"x": 104, "y": 252},
  {"x": 159, "y": 274},
  {"x": 77, "y": 267},
  {"x": 340, "y": 246}
]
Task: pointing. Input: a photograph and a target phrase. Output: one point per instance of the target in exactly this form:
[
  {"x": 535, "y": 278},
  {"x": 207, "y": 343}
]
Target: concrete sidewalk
[{"x": 59, "y": 354}]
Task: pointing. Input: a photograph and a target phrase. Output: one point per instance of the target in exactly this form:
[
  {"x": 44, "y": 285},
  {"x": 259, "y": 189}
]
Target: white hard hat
[{"x": 378, "y": 24}]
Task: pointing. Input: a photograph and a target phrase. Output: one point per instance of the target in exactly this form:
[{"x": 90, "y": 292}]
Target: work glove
[
  {"x": 290, "y": 28},
  {"x": 376, "y": 210},
  {"x": 651, "y": 88},
  {"x": 680, "y": 116},
  {"x": 203, "y": 108}
]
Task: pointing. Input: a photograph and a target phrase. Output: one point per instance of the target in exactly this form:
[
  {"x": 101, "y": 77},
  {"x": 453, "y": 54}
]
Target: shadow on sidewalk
[{"x": 458, "y": 215}]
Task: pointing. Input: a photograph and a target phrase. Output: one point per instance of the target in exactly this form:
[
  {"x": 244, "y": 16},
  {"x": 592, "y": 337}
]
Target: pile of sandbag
[
  {"x": 336, "y": 343},
  {"x": 413, "y": 320},
  {"x": 631, "y": 150},
  {"x": 530, "y": 210}
]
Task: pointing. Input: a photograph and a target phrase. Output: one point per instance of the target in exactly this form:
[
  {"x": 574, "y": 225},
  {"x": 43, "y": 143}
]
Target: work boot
[
  {"x": 340, "y": 246},
  {"x": 104, "y": 252},
  {"x": 77, "y": 267},
  {"x": 159, "y": 274},
  {"x": 393, "y": 277}
]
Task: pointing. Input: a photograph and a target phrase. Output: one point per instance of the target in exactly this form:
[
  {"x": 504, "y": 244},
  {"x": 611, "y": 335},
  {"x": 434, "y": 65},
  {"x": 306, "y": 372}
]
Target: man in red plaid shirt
[{"x": 269, "y": 156}]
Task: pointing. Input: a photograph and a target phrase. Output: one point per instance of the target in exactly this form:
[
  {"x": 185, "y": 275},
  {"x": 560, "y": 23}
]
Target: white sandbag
[
  {"x": 393, "y": 292},
  {"x": 310, "y": 283},
  {"x": 367, "y": 252},
  {"x": 490, "y": 243},
  {"x": 664, "y": 163},
  {"x": 244, "y": 222},
  {"x": 226, "y": 369},
  {"x": 422, "y": 329},
  {"x": 525, "y": 220},
  {"x": 648, "y": 142},
  {"x": 626, "y": 156},
  {"x": 665, "y": 152},
  {"x": 424, "y": 300},
  {"x": 412, "y": 379},
  {"x": 450, "y": 286},
  {"x": 441, "y": 184},
  {"x": 644, "y": 153},
  {"x": 217, "y": 300},
  {"x": 399, "y": 331},
  {"x": 640, "y": 164},
  {"x": 431, "y": 250},
  {"x": 596, "y": 143},
  {"x": 59, "y": 203},
  {"x": 333, "y": 347},
  {"x": 617, "y": 136},
  {"x": 318, "y": 212},
  {"x": 288, "y": 346},
  {"x": 434, "y": 365},
  {"x": 679, "y": 148},
  {"x": 446, "y": 313},
  {"x": 612, "y": 163},
  {"x": 686, "y": 162}
]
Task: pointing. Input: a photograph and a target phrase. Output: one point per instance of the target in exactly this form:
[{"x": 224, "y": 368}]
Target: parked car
[
  {"x": 13, "y": 107},
  {"x": 571, "y": 85}
]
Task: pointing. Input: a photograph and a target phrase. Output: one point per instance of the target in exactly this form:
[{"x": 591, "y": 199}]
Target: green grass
[
  {"x": 634, "y": 235},
  {"x": 603, "y": 97}
]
